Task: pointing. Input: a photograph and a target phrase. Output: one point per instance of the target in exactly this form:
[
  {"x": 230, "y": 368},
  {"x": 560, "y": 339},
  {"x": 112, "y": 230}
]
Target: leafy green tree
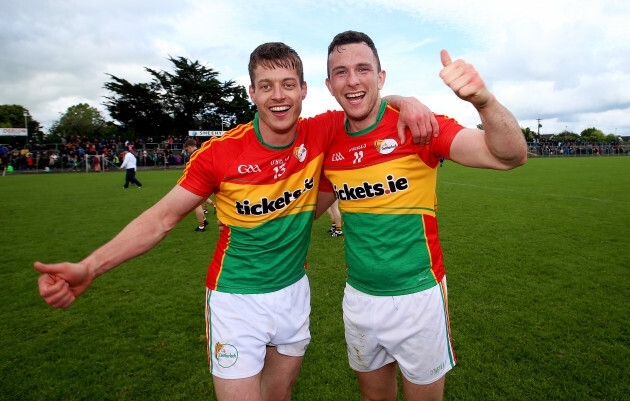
[
  {"x": 612, "y": 138},
  {"x": 190, "y": 97},
  {"x": 528, "y": 133},
  {"x": 593, "y": 134},
  {"x": 191, "y": 94},
  {"x": 239, "y": 109},
  {"x": 567, "y": 135},
  {"x": 12, "y": 116},
  {"x": 138, "y": 108},
  {"x": 80, "y": 120}
]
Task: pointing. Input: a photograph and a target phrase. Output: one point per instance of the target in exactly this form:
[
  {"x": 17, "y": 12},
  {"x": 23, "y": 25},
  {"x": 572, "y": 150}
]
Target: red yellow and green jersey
[
  {"x": 265, "y": 196},
  {"x": 386, "y": 192}
]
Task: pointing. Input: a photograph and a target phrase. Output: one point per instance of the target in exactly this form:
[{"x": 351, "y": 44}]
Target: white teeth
[
  {"x": 353, "y": 95},
  {"x": 279, "y": 108}
]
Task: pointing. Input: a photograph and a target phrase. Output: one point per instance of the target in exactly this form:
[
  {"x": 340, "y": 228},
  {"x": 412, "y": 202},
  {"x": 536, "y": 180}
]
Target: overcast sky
[{"x": 565, "y": 62}]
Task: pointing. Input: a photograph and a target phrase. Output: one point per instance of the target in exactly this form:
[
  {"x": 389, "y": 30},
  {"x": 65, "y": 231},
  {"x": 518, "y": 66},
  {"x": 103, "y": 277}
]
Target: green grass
[{"x": 537, "y": 263}]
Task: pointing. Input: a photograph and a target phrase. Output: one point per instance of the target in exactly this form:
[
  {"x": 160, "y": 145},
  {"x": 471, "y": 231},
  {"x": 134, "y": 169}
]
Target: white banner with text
[
  {"x": 13, "y": 132},
  {"x": 205, "y": 133}
]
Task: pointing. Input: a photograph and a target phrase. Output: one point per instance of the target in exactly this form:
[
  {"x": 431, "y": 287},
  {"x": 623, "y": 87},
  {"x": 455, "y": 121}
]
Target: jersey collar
[
  {"x": 265, "y": 144},
  {"x": 371, "y": 127}
]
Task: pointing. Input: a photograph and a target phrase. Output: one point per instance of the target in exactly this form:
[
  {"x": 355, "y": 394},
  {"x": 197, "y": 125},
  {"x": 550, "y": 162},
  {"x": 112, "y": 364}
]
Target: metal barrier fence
[
  {"x": 160, "y": 155},
  {"x": 47, "y": 161},
  {"x": 577, "y": 151}
]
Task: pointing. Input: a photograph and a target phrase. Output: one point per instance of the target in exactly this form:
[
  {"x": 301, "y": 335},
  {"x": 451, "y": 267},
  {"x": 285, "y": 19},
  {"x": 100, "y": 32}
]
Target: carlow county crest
[{"x": 225, "y": 354}]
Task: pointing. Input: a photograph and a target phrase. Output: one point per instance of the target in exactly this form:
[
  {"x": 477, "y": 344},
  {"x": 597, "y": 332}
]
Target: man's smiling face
[
  {"x": 355, "y": 82},
  {"x": 278, "y": 96}
]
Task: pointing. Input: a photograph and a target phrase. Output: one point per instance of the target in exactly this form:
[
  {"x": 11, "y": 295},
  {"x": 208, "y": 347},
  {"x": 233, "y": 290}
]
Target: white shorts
[
  {"x": 239, "y": 328},
  {"x": 411, "y": 329}
]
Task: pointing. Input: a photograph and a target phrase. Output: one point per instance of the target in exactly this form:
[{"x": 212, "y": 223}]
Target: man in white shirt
[{"x": 129, "y": 163}]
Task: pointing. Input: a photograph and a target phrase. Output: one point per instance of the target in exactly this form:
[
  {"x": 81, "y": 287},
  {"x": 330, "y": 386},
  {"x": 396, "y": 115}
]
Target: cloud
[
  {"x": 561, "y": 60},
  {"x": 52, "y": 53}
]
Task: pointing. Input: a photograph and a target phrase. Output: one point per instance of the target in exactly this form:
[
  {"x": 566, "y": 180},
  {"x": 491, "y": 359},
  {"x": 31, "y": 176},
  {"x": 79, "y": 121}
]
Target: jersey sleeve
[
  {"x": 324, "y": 184},
  {"x": 200, "y": 174},
  {"x": 327, "y": 124},
  {"x": 440, "y": 146}
]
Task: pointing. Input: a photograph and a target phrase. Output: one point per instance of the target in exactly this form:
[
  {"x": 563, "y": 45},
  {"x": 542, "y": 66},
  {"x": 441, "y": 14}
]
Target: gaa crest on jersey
[
  {"x": 385, "y": 146},
  {"x": 300, "y": 152},
  {"x": 248, "y": 168},
  {"x": 225, "y": 354},
  {"x": 337, "y": 157}
]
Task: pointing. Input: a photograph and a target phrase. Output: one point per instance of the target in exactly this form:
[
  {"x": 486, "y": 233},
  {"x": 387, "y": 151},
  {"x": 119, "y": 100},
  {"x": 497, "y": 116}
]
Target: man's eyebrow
[
  {"x": 283, "y": 80},
  {"x": 354, "y": 65},
  {"x": 338, "y": 67}
]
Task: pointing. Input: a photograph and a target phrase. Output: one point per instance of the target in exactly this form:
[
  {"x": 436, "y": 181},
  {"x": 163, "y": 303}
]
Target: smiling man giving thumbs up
[{"x": 395, "y": 302}]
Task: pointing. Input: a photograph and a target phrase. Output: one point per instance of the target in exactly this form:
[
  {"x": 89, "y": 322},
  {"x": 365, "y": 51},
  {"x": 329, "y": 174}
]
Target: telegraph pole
[
  {"x": 26, "y": 125},
  {"x": 538, "y": 128}
]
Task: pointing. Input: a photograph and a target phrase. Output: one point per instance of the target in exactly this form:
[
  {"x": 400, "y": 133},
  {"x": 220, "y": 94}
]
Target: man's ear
[
  {"x": 252, "y": 94},
  {"x": 304, "y": 90},
  {"x": 329, "y": 86},
  {"x": 381, "y": 79}
]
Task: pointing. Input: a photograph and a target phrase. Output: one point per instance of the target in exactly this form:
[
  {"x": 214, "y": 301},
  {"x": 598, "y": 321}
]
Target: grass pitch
[{"x": 537, "y": 264}]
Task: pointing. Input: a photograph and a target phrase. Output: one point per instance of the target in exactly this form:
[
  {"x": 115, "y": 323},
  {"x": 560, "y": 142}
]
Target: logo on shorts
[
  {"x": 225, "y": 354},
  {"x": 437, "y": 369}
]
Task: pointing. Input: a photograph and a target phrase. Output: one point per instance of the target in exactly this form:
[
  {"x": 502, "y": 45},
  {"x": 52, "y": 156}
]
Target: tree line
[
  {"x": 591, "y": 134},
  {"x": 191, "y": 97},
  {"x": 171, "y": 104}
]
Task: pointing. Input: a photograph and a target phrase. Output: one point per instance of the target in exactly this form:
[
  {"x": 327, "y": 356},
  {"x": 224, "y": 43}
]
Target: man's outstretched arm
[{"x": 61, "y": 283}]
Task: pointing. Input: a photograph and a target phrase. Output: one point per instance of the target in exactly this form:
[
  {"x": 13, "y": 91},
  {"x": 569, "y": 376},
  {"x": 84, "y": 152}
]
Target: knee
[{"x": 372, "y": 396}]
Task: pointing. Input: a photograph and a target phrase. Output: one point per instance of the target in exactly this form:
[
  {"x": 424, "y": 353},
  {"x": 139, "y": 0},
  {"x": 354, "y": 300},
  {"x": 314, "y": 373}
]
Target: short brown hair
[
  {"x": 351, "y": 37},
  {"x": 190, "y": 142},
  {"x": 275, "y": 55}
]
